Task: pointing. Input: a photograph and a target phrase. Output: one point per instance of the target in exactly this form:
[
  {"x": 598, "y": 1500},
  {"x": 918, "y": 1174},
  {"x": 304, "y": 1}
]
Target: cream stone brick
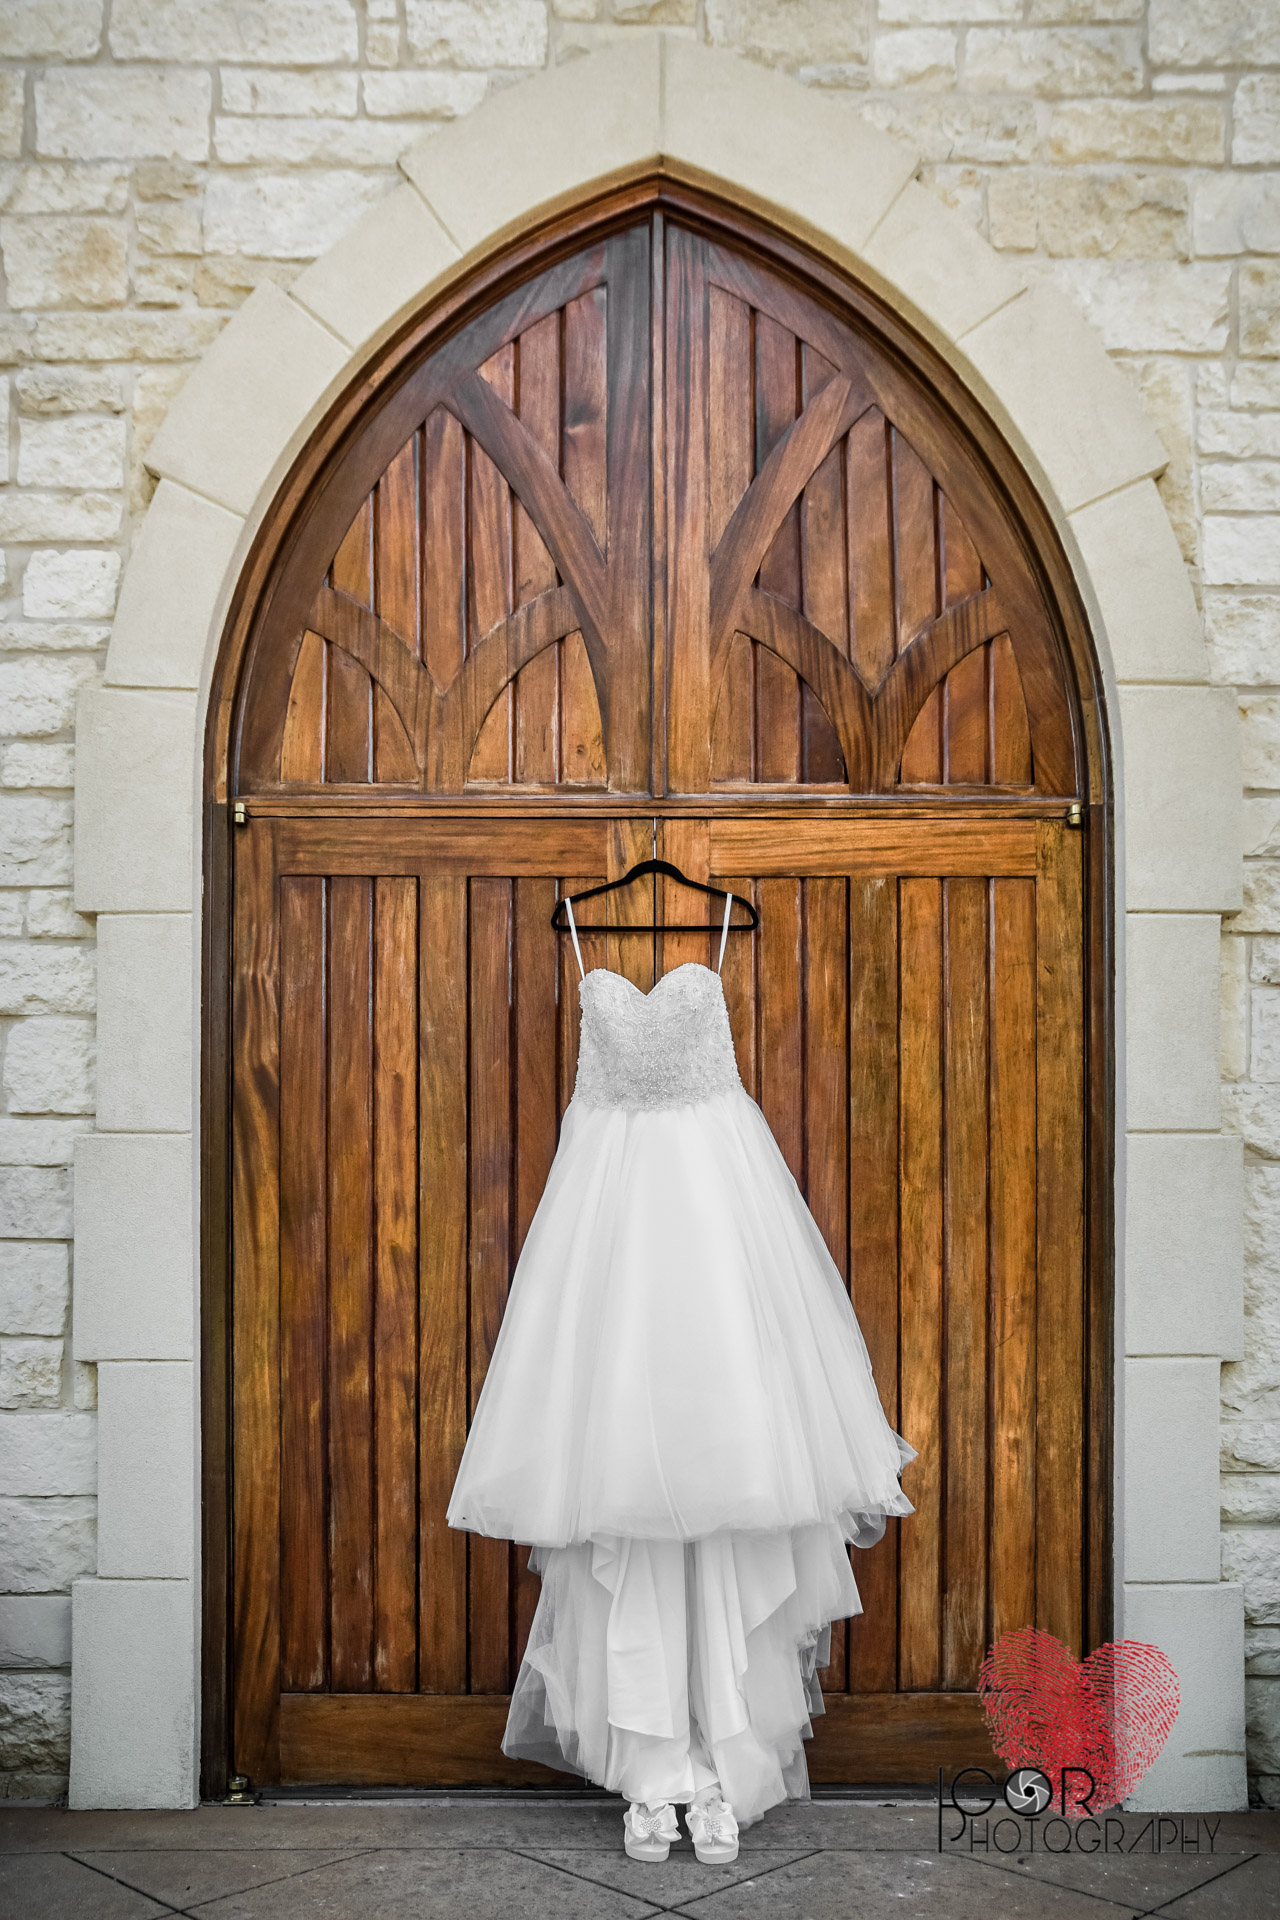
[
  {"x": 1171, "y": 1013},
  {"x": 1054, "y": 62},
  {"x": 1261, "y": 910},
  {"x": 1152, "y": 306},
  {"x": 1255, "y": 116},
  {"x": 1260, "y": 307},
  {"x": 70, "y": 452},
  {"x": 1264, "y": 960},
  {"x": 955, "y": 127},
  {"x": 793, "y": 33},
  {"x": 65, "y": 261},
  {"x": 48, "y": 1453},
  {"x": 1183, "y": 1243},
  {"x": 1264, "y": 1036},
  {"x": 1179, "y": 739},
  {"x": 35, "y": 842},
  {"x": 146, "y": 1470},
  {"x": 1233, "y": 1044},
  {"x": 918, "y": 56},
  {"x": 133, "y": 1706},
  {"x": 274, "y": 33},
  {"x": 46, "y": 1544},
  {"x": 940, "y": 265},
  {"x": 655, "y": 13},
  {"x": 163, "y": 283},
  {"x": 227, "y": 280},
  {"x": 84, "y": 1388},
  {"x": 1242, "y": 436},
  {"x": 49, "y": 1065},
  {"x": 35, "y": 1203},
  {"x": 43, "y": 979},
  {"x": 1066, "y": 400},
  {"x": 576, "y": 9},
  {"x": 79, "y": 583},
  {"x": 30, "y": 1373},
  {"x": 59, "y": 189},
  {"x": 267, "y": 90},
  {"x": 55, "y": 390},
  {"x": 169, "y": 227},
  {"x": 33, "y": 764},
  {"x": 393, "y": 257},
  {"x": 1232, "y": 488},
  {"x": 1242, "y": 549},
  {"x": 50, "y": 29},
  {"x": 134, "y": 763},
  {"x": 1213, "y": 33},
  {"x": 72, "y": 636},
  {"x": 135, "y": 1248},
  {"x": 52, "y": 916},
  {"x": 35, "y": 1631},
  {"x": 38, "y": 696},
  {"x": 1253, "y": 1113},
  {"x": 154, "y": 391},
  {"x": 1083, "y": 13},
  {"x": 28, "y": 518},
  {"x": 1249, "y": 1556},
  {"x": 477, "y": 33},
  {"x": 11, "y": 903},
  {"x": 172, "y": 590},
  {"x": 11, "y": 114},
  {"x": 1134, "y": 214},
  {"x": 261, "y": 141},
  {"x": 1237, "y": 213},
  {"x": 429, "y": 96},
  {"x": 1255, "y": 383},
  {"x": 35, "y": 1288},
  {"x": 35, "y": 1728},
  {"x": 100, "y": 113},
  {"x": 126, "y": 336},
  {"x": 1163, "y": 133},
  {"x": 253, "y": 391},
  {"x": 1171, "y": 1465},
  {"x": 1201, "y": 1629},
  {"x": 963, "y": 189},
  {"x": 1250, "y": 1497},
  {"x": 1148, "y": 610},
  {"x": 959, "y": 12},
  {"x": 40, "y": 1143},
  {"x": 145, "y": 988},
  {"x": 286, "y": 216},
  {"x": 1243, "y": 635}
]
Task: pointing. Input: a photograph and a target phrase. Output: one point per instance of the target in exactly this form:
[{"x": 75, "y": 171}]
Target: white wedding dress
[{"x": 680, "y": 1417}]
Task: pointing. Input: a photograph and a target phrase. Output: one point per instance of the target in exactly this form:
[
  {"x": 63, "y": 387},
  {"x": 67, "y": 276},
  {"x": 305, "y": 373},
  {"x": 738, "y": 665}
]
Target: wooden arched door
[{"x": 665, "y": 542}]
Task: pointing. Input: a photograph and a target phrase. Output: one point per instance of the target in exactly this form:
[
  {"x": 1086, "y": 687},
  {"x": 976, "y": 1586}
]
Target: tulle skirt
[{"x": 680, "y": 1417}]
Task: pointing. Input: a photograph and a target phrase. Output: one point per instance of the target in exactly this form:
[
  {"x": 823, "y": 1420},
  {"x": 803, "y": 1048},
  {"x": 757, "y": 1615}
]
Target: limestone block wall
[{"x": 159, "y": 159}]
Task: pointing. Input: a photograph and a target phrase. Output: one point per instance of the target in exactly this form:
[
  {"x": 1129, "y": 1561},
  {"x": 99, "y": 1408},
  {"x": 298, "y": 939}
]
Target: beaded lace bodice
[{"x": 667, "y": 1048}]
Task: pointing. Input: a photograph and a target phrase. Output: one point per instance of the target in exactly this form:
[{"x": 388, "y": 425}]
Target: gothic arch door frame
[{"x": 658, "y": 533}]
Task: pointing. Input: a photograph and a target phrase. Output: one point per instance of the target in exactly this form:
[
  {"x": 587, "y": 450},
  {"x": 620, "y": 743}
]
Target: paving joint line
[
  {"x": 1241, "y": 1860},
  {"x": 116, "y": 1880}
]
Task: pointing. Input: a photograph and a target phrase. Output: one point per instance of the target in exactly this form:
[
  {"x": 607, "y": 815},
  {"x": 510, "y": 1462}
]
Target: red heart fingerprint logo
[{"x": 1109, "y": 1714}]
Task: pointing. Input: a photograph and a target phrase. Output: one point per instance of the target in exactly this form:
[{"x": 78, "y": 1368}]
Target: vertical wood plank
[
  {"x": 350, "y": 1399},
  {"x": 915, "y": 561},
  {"x": 688, "y": 673},
  {"x": 824, "y": 586},
  {"x": 868, "y": 489},
  {"x": 826, "y": 1104},
  {"x": 778, "y": 690},
  {"x": 303, "y": 1158},
  {"x": 444, "y": 545},
  {"x": 873, "y": 1234},
  {"x": 489, "y": 569},
  {"x": 739, "y": 975},
  {"x": 489, "y": 1595},
  {"x": 397, "y": 544},
  {"x": 630, "y": 841},
  {"x": 442, "y": 1255},
  {"x": 964, "y": 1615},
  {"x": 537, "y": 1116},
  {"x": 730, "y": 465},
  {"x": 1013, "y": 1255},
  {"x": 685, "y": 843},
  {"x": 1009, "y": 752},
  {"x": 780, "y": 1036},
  {"x": 536, "y": 692},
  {"x": 1059, "y": 1234},
  {"x": 302, "y": 746},
  {"x": 921, "y": 1282},
  {"x": 349, "y": 706},
  {"x": 255, "y": 1217},
  {"x": 584, "y": 467},
  {"x": 395, "y": 1282},
  {"x": 965, "y": 690}
]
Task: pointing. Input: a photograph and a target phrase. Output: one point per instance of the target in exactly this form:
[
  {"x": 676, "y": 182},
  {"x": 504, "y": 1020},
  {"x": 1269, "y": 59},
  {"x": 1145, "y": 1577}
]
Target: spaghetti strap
[
  {"x": 568, "y": 907},
  {"x": 724, "y": 931}
]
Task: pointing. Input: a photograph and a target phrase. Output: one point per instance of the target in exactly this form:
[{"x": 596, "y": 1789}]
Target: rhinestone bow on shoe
[
  {"x": 647, "y": 1832},
  {"x": 714, "y": 1830}
]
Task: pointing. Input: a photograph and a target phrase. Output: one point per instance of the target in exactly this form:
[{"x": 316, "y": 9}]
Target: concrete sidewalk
[{"x": 529, "y": 1858}]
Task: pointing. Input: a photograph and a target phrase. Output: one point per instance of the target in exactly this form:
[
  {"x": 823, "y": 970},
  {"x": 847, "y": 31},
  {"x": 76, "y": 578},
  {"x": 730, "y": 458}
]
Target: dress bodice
[{"x": 667, "y": 1048}]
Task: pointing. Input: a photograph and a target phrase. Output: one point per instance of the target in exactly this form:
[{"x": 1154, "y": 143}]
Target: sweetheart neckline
[{"x": 613, "y": 974}]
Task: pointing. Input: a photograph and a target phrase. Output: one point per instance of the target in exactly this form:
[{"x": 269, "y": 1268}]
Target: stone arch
[{"x": 808, "y": 165}]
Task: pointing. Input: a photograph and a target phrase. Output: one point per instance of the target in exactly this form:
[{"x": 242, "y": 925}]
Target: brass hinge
[
  {"x": 240, "y": 813},
  {"x": 1075, "y": 814}
]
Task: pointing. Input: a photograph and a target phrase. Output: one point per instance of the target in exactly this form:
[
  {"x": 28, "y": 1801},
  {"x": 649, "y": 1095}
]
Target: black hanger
[{"x": 561, "y": 924}]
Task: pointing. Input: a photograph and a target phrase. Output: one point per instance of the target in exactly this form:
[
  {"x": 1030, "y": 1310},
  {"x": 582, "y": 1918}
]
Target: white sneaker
[
  {"x": 647, "y": 1832},
  {"x": 714, "y": 1831}
]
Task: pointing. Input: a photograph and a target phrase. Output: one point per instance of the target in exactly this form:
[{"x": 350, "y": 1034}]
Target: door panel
[{"x": 663, "y": 551}]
